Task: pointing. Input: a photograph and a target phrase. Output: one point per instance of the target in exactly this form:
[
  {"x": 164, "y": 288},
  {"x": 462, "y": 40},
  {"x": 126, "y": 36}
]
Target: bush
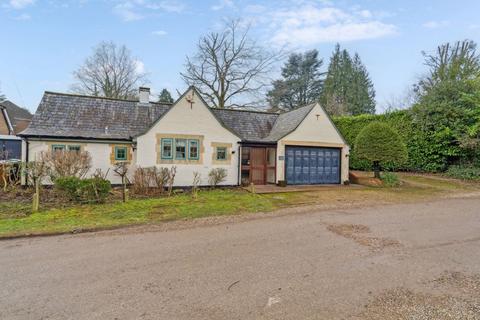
[
  {"x": 217, "y": 176},
  {"x": 464, "y": 172},
  {"x": 379, "y": 144},
  {"x": 84, "y": 190},
  {"x": 390, "y": 179}
]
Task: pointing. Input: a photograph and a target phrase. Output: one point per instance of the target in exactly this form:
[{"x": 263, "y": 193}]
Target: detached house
[
  {"x": 13, "y": 119},
  {"x": 299, "y": 147}
]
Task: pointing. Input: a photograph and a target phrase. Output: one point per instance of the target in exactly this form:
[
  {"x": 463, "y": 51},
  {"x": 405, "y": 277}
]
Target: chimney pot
[{"x": 144, "y": 95}]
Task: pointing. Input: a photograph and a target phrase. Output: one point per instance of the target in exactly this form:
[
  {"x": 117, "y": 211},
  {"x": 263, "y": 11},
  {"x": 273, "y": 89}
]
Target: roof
[
  {"x": 287, "y": 122},
  {"x": 87, "y": 117},
  {"x": 16, "y": 114}
]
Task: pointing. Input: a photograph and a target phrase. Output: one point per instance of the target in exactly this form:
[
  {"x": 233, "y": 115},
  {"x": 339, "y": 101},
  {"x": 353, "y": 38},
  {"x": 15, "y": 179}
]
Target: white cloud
[
  {"x": 159, "y": 33},
  {"x": 20, "y": 4},
  {"x": 222, "y": 4},
  {"x": 132, "y": 10},
  {"x": 127, "y": 11},
  {"x": 139, "y": 67},
  {"x": 435, "y": 24},
  {"x": 23, "y": 17},
  {"x": 311, "y": 24}
]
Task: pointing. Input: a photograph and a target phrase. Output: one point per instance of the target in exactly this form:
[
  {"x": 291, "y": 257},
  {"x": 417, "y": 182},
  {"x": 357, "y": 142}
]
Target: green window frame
[
  {"x": 193, "y": 149},
  {"x": 180, "y": 149},
  {"x": 58, "y": 147},
  {"x": 121, "y": 153},
  {"x": 74, "y": 148},
  {"x": 167, "y": 142},
  {"x": 221, "y": 153}
]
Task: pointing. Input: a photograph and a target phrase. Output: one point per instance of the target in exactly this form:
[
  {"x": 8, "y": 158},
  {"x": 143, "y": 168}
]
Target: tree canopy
[
  {"x": 111, "y": 72},
  {"x": 379, "y": 143},
  {"x": 348, "y": 89},
  {"x": 301, "y": 82},
  {"x": 165, "y": 97},
  {"x": 229, "y": 68}
]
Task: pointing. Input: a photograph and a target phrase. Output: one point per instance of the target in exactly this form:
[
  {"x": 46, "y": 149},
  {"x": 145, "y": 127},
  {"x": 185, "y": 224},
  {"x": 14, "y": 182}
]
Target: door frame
[
  {"x": 265, "y": 165},
  {"x": 313, "y": 147}
]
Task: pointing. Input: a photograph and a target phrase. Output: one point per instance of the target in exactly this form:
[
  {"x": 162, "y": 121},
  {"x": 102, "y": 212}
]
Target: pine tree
[
  {"x": 348, "y": 88},
  {"x": 2, "y": 96},
  {"x": 301, "y": 82},
  {"x": 165, "y": 97}
]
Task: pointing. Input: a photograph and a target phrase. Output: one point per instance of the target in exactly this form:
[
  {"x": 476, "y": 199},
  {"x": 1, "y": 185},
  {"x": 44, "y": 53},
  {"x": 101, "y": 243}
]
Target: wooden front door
[{"x": 257, "y": 165}]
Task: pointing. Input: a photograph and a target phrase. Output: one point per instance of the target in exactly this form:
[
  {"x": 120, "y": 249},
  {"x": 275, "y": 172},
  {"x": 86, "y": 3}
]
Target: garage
[{"x": 312, "y": 165}]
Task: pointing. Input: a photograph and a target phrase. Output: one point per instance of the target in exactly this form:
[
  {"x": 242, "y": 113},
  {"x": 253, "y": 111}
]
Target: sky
[{"x": 43, "y": 42}]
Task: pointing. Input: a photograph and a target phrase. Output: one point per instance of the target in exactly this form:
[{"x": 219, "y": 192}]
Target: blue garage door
[{"x": 305, "y": 165}]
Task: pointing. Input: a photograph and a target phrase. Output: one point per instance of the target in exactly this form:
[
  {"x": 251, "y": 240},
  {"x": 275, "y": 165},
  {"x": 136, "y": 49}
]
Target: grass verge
[{"x": 16, "y": 220}]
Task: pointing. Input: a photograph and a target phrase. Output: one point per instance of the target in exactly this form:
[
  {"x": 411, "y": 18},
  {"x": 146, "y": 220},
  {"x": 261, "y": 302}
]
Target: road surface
[{"x": 344, "y": 264}]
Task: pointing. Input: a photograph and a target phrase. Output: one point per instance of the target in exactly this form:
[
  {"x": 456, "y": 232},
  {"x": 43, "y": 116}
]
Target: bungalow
[
  {"x": 13, "y": 119},
  {"x": 299, "y": 147}
]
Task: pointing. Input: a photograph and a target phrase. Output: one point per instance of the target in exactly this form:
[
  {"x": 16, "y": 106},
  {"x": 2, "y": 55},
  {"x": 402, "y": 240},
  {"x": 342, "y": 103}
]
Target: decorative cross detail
[
  {"x": 317, "y": 116},
  {"x": 190, "y": 100}
]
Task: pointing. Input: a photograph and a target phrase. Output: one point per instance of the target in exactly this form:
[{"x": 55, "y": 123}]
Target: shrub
[
  {"x": 83, "y": 190},
  {"x": 67, "y": 163},
  {"x": 390, "y": 179},
  {"x": 379, "y": 144},
  {"x": 217, "y": 176},
  {"x": 465, "y": 172}
]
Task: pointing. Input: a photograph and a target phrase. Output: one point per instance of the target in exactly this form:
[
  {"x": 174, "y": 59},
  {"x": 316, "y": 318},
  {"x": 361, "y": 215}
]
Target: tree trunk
[
  {"x": 36, "y": 196},
  {"x": 376, "y": 169}
]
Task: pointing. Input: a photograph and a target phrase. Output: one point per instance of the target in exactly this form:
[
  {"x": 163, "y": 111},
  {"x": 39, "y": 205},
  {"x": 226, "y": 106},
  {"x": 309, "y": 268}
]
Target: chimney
[{"x": 144, "y": 95}]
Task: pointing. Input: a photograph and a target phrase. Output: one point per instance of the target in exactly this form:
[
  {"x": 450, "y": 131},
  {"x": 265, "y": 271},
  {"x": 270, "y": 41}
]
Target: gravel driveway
[{"x": 413, "y": 261}]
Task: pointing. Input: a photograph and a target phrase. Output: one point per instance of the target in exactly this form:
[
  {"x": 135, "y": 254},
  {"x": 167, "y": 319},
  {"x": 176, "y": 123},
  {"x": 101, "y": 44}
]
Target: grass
[{"x": 15, "y": 217}]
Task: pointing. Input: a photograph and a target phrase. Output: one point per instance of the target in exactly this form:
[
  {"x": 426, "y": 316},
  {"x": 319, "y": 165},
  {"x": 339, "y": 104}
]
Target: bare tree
[
  {"x": 230, "y": 68},
  {"x": 111, "y": 72},
  {"x": 67, "y": 163},
  {"x": 121, "y": 169},
  {"x": 35, "y": 172}
]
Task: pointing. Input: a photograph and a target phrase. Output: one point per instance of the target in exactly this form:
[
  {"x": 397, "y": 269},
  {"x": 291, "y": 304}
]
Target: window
[
  {"x": 167, "y": 148},
  {"x": 180, "y": 149},
  {"x": 193, "y": 149},
  {"x": 58, "y": 147},
  {"x": 74, "y": 148},
  {"x": 121, "y": 153},
  {"x": 221, "y": 153}
]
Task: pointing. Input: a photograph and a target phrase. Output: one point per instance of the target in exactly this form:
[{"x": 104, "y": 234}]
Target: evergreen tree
[
  {"x": 348, "y": 88},
  {"x": 2, "y": 96},
  {"x": 165, "y": 97},
  {"x": 301, "y": 82}
]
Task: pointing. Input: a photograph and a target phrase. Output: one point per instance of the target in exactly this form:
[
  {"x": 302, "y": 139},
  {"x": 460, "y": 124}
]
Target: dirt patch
[
  {"x": 403, "y": 304},
  {"x": 460, "y": 282},
  {"x": 359, "y": 233},
  {"x": 451, "y": 296}
]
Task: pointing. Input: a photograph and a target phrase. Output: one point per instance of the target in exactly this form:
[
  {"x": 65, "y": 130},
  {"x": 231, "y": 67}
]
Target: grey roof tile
[{"x": 75, "y": 116}]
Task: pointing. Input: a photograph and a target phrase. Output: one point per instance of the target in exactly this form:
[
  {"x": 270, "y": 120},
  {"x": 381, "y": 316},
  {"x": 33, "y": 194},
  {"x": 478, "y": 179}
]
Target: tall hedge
[{"x": 426, "y": 152}]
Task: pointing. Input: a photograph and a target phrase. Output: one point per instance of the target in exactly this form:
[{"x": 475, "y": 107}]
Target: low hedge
[
  {"x": 464, "y": 172},
  {"x": 94, "y": 190}
]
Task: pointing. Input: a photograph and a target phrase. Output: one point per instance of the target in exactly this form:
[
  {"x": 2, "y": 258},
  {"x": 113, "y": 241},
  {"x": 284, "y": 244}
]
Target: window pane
[
  {"x": 193, "y": 149},
  {"x": 245, "y": 156},
  {"x": 221, "y": 153},
  {"x": 74, "y": 148},
  {"x": 58, "y": 147},
  {"x": 167, "y": 148},
  {"x": 180, "y": 148},
  {"x": 120, "y": 153}
]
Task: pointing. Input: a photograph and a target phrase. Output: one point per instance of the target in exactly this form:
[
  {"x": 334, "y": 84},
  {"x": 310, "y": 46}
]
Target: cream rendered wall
[
  {"x": 100, "y": 153},
  {"x": 195, "y": 120},
  {"x": 315, "y": 130}
]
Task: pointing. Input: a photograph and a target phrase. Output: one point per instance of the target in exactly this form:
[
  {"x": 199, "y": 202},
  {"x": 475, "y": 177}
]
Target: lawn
[{"x": 15, "y": 217}]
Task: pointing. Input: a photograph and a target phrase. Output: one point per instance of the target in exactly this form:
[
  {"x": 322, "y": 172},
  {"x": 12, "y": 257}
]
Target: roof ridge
[
  {"x": 240, "y": 110},
  {"x": 98, "y": 97}
]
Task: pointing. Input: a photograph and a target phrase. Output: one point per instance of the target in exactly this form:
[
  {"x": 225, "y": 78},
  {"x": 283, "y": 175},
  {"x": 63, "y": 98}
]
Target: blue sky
[{"x": 44, "y": 41}]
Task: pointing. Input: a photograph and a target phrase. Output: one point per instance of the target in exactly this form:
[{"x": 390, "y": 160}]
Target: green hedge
[
  {"x": 93, "y": 190},
  {"x": 428, "y": 152}
]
